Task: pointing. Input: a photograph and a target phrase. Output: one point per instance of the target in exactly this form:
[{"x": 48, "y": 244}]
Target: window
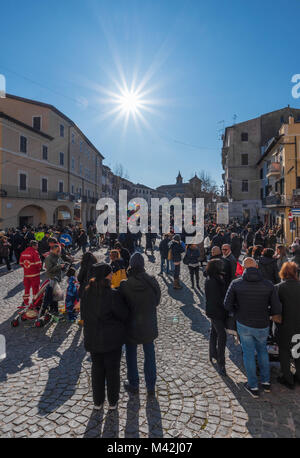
[
  {"x": 61, "y": 158},
  {"x": 261, "y": 193},
  {"x": 80, "y": 169},
  {"x": 23, "y": 144},
  {"x": 245, "y": 186},
  {"x": 298, "y": 182},
  {"x": 72, "y": 189},
  {"x": 73, "y": 138},
  {"x": 244, "y": 136},
  {"x": 62, "y": 130},
  {"x": 36, "y": 122},
  {"x": 44, "y": 185},
  {"x": 282, "y": 119},
  {"x": 23, "y": 182},
  {"x": 261, "y": 173},
  {"x": 45, "y": 153},
  {"x": 60, "y": 186},
  {"x": 244, "y": 159},
  {"x": 73, "y": 163},
  {"x": 81, "y": 146}
]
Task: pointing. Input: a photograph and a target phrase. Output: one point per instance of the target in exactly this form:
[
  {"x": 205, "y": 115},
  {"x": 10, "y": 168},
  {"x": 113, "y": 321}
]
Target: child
[
  {"x": 118, "y": 268},
  {"x": 72, "y": 295}
]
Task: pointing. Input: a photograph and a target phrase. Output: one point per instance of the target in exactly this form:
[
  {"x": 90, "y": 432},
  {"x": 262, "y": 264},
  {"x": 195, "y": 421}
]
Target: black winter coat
[
  {"x": 289, "y": 296},
  {"x": 141, "y": 293},
  {"x": 236, "y": 247},
  {"x": 177, "y": 250},
  {"x": 215, "y": 294},
  {"x": 269, "y": 269},
  {"x": 85, "y": 275},
  {"x": 164, "y": 248},
  {"x": 253, "y": 299},
  {"x": 259, "y": 239},
  {"x": 104, "y": 314},
  {"x": 218, "y": 240}
]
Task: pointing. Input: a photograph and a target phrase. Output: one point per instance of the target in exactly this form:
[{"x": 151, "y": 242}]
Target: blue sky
[{"x": 201, "y": 62}]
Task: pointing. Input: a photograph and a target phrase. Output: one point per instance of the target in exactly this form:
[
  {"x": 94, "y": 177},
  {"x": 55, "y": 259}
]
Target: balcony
[
  {"x": 277, "y": 201},
  {"x": 296, "y": 198},
  {"x": 274, "y": 169},
  {"x": 14, "y": 192}
]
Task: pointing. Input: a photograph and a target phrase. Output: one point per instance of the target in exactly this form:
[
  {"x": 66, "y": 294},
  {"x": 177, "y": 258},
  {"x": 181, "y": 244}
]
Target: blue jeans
[
  {"x": 255, "y": 339},
  {"x": 149, "y": 365},
  {"x": 162, "y": 263},
  {"x": 172, "y": 267}
]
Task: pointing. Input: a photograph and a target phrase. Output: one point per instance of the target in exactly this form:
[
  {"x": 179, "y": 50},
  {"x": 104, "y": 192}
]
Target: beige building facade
[{"x": 49, "y": 170}]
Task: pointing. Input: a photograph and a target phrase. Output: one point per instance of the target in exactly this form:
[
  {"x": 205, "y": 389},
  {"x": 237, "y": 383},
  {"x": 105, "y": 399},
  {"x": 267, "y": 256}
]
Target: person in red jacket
[{"x": 31, "y": 262}]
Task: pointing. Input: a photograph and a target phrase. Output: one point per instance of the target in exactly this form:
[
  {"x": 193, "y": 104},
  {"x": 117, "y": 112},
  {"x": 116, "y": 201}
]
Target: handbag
[
  {"x": 57, "y": 294},
  {"x": 170, "y": 257},
  {"x": 230, "y": 324},
  {"x": 276, "y": 318},
  {"x": 186, "y": 259}
]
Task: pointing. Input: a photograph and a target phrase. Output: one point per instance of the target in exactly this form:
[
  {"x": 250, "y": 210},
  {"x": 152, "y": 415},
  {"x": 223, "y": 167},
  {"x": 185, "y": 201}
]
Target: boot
[{"x": 176, "y": 284}]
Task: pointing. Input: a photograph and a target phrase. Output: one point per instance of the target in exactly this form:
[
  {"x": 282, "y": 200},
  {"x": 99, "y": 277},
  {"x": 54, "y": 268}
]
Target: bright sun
[{"x": 130, "y": 101}]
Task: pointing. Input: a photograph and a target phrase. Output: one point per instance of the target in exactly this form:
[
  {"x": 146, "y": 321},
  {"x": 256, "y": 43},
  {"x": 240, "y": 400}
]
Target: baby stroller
[{"x": 31, "y": 311}]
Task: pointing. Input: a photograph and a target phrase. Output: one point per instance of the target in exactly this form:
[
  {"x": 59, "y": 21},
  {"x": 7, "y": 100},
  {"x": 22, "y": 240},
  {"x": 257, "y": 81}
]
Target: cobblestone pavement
[{"x": 45, "y": 385}]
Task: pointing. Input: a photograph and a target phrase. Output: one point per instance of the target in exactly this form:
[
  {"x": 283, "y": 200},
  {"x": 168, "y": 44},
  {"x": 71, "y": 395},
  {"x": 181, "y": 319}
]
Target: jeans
[
  {"x": 162, "y": 263},
  {"x": 106, "y": 367},
  {"x": 172, "y": 267},
  {"x": 255, "y": 339},
  {"x": 194, "y": 272},
  {"x": 217, "y": 341},
  {"x": 149, "y": 365}
]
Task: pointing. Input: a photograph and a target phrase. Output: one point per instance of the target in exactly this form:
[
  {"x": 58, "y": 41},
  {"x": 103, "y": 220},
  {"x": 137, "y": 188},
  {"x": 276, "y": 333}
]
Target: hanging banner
[{"x": 222, "y": 213}]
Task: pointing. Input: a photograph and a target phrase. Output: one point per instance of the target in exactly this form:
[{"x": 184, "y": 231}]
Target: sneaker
[
  {"x": 221, "y": 370},
  {"x": 283, "y": 381},
  {"x": 253, "y": 391},
  {"x": 98, "y": 407},
  {"x": 113, "y": 407},
  {"x": 266, "y": 387},
  {"x": 130, "y": 388}
]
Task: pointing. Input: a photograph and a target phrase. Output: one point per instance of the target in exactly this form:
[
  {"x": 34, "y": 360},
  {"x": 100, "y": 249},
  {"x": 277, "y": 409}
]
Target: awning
[{"x": 64, "y": 215}]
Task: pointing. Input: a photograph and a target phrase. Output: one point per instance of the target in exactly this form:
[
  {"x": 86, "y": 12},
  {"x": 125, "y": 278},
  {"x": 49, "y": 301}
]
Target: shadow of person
[
  {"x": 12, "y": 292},
  {"x": 21, "y": 343},
  {"x": 111, "y": 425},
  {"x": 132, "y": 420},
  {"x": 154, "y": 419},
  {"x": 62, "y": 379},
  {"x": 94, "y": 426}
]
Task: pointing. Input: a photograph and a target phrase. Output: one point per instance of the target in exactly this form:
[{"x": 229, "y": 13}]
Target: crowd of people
[{"x": 252, "y": 290}]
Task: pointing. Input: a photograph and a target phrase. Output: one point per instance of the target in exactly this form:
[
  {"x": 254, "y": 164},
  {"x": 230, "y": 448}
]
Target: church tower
[{"x": 179, "y": 178}]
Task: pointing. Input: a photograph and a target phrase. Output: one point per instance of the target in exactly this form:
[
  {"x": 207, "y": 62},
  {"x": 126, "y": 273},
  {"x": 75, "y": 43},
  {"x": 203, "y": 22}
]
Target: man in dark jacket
[
  {"x": 259, "y": 238},
  {"x": 228, "y": 256},
  {"x": 176, "y": 249},
  {"x": 141, "y": 293},
  {"x": 267, "y": 264},
  {"x": 218, "y": 239},
  {"x": 19, "y": 245},
  {"x": 236, "y": 245},
  {"x": 271, "y": 240},
  {"x": 253, "y": 300},
  {"x": 164, "y": 251}
]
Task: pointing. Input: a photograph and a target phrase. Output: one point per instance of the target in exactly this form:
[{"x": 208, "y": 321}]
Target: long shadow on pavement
[
  {"x": 132, "y": 420},
  {"x": 62, "y": 379}
]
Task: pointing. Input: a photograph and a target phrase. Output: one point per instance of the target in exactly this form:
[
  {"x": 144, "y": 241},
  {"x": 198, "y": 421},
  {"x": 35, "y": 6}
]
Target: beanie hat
[
  {"x": 177, "y": 237},
  {"x": 137, "y": 260},
  {"x": 100, "y": 270}
]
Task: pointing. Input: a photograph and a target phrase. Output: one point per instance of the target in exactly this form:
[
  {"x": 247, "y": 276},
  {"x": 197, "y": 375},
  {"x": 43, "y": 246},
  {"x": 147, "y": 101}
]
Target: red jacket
[{"x": 31, "y": 262}]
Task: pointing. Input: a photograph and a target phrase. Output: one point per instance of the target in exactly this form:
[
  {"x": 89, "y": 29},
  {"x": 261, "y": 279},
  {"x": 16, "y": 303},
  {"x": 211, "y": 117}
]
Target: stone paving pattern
[{"x": 45, "y": 384}]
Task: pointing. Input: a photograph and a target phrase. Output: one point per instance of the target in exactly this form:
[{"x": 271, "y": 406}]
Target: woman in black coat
[
  {"x": 88, "y": 259},
  {"x": 289, "y": 296},
  {"x": 104, "y": 314},
  {"x": 215, "y": 293}
]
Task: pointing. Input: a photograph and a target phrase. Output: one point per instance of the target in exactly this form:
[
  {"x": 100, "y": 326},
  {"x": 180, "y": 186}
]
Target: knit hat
[
  {"x": 137, "y": 260},
  {"x": 177, "y": 237},
  {"x": 101, "y": 270}
]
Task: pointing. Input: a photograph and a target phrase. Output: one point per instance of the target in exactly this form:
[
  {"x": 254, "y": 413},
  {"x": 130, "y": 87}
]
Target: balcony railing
[
  {"x": 277, "y": 200},
  {"x": 11, "y": 191}
]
